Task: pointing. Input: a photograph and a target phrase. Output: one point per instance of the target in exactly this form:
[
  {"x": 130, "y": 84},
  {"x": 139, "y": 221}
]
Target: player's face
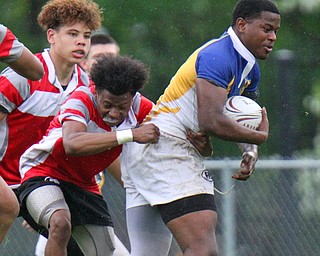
[
  {"x": 112, "y": 108},
  {"x": 98, "y": 50},
  {"x": 259, "y": 35},
  {"x": 69, "y": 43}
]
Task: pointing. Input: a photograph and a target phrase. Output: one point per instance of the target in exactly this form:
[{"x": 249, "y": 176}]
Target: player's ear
[
  {"x": 240, "y": 24},
  {"x": 50, "y": 35}
]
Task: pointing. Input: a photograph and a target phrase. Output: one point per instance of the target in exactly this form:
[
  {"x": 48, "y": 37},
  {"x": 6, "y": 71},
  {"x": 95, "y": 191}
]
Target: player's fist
[
  {"x": 147, "y": 133},
  {"x": 249, "y": 160}
]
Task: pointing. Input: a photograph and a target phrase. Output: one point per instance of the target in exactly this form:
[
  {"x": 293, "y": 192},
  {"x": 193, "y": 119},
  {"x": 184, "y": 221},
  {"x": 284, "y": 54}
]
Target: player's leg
[
  {"x": 95, "y": 240},
  {"x": 52, "y": 212},
  {"x": 72, "y": 249},
  {"x": 9, "y": 208},
  {"x": 192, "y": 221},
  {"x": 120, "y": 250},
  {"x": 147, "y": 232}
]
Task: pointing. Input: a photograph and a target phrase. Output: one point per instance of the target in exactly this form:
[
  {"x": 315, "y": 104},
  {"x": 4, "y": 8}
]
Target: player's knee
[
  {"x": 212, "y": 251},
  {"x": 201, "y": 250},
  {"x": 202, "y": 245},
  {"x": 60, "y": 224},
  {"x": 10, "y": 209}
]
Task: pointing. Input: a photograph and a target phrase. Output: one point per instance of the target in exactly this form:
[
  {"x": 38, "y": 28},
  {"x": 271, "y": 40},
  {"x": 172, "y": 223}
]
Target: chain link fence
[{"x": 276, "y": 212}]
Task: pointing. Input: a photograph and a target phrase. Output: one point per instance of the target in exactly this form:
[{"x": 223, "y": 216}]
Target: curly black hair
[
  {"x": 119, "y": 74},
  {"x": 251, "y": 9}
]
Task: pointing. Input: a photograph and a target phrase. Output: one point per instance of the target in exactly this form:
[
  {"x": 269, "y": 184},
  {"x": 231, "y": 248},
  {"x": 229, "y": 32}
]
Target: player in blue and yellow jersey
[{"x": 167, "y": 182}]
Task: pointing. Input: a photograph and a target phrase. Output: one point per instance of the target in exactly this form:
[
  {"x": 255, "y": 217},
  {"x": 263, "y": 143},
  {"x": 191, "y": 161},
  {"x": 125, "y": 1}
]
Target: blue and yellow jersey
[{"x": 224, "y": 62}]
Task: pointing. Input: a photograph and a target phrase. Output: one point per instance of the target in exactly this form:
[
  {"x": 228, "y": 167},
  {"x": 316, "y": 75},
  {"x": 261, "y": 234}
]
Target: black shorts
[
  {"x": 85, "y": 207},
  {"x": 186, "y": 205}
]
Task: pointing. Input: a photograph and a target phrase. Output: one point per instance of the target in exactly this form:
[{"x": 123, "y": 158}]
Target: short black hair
[
  {"x": 251, "y": 9},
  {"x": 102, "y": 39},
  {"x": 119, "y": 74}
]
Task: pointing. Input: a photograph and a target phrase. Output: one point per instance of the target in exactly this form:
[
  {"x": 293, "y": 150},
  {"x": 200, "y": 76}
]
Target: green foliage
[{"x": 164, "y": 33}]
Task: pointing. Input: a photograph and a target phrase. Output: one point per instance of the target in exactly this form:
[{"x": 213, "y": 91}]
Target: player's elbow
[
  {"x": 216, "y": 127},
  {"x": 209, "y": 126},
  {"x": 37, "y": 74},
  {"x": 70, "y": 148}
]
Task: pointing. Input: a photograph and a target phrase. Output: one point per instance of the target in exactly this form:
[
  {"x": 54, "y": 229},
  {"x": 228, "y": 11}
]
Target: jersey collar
[
  {"x": 240, "y": 48},
  {"x": 53, "y": 79}
]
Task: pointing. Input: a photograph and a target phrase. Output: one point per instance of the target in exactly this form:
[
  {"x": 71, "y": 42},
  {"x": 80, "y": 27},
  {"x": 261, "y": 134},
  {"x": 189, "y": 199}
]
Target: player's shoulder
[
  {"x": 141, "y": 106},
  {"x": 217, "y": 50},
  {"x": 83, "y": 93},
  {"x": 3, "y": 31},
  {"x": 83, "y": 77},
  {"x": 139, "y": 101}
]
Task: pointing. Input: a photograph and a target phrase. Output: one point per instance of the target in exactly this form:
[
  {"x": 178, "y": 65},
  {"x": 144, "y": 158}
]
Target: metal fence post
[{"x": 229, "y": 212}]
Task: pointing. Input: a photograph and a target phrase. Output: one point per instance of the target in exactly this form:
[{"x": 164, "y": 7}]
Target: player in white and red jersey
[
  {"x": 26, "y": 106},
  {"x": 169, "y": 184},
  {"x": 82, "y": 140},
  {"x": 29, "y": 107},
  {"x": 102, "y": 44},
  {"x": 17, "y": 56}
]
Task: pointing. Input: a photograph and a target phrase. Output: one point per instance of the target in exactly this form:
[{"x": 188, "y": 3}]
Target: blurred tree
[{"x": 164, "y": 33}]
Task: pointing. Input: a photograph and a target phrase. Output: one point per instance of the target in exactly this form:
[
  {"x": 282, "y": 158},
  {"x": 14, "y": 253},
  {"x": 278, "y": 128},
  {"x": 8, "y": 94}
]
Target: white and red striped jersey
[
  {"x": 10, "y": 48},
  {"x": 30, "y": 105},
  {"x": 48, "y": 157}
]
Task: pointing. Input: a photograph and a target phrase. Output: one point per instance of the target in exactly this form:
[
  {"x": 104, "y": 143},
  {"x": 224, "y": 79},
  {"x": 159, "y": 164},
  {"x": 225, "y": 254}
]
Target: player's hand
[
  {"x": 249, "y": 160},
  {"x": 200, "y": 141},
  {"x": 147, "y": 133}
]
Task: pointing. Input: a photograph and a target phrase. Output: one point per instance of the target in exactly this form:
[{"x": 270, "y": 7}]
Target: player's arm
[
  {"x": 77, "y": 141},
  {"x": 211, "y": 100},
  {"x": 115, "y": 170},
  {"x": 28, "y": 65}
]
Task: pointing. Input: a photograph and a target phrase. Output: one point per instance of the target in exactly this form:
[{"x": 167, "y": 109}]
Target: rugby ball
[{"x": 243, "y": 110}]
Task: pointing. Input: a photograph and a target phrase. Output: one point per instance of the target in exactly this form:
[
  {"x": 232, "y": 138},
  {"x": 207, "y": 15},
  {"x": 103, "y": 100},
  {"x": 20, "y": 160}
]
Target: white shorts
[{"x": 163, "y": 172}]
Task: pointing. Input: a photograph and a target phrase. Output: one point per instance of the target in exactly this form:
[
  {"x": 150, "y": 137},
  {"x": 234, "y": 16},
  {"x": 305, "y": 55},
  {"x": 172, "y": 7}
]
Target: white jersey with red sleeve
[
  {"x": 10, "y": 48},
  {"x": 48, "y": 158},
  {"x": 30, "y": 105}
]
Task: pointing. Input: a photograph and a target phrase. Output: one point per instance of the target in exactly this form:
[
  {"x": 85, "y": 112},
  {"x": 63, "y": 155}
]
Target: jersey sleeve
[
  {"x": 213, "y": 67},
  {"x": 10, "y": 47},
  {"x": 14, "y": 89},
  {"x": 76, "y": 108}
]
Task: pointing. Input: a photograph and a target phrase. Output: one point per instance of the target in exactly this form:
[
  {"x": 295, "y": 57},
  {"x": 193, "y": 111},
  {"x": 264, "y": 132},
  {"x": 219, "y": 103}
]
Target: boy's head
[
  {"x": 57, "y": 13},
  {"x": 119, "y": 74},
  {"x": 256, "y": 23},
  {"x": 101, "y": 44},
  {"x": 117, "y": 79},
  {"x": 252, "y": 9}
]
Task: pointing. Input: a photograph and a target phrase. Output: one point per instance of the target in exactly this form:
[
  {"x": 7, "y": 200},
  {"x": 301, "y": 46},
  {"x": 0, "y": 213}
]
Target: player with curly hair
[
  {"x": 83, "y": 139},
  {"x": 101, "y": 44},
  {"x": 27, "y": 106}
]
